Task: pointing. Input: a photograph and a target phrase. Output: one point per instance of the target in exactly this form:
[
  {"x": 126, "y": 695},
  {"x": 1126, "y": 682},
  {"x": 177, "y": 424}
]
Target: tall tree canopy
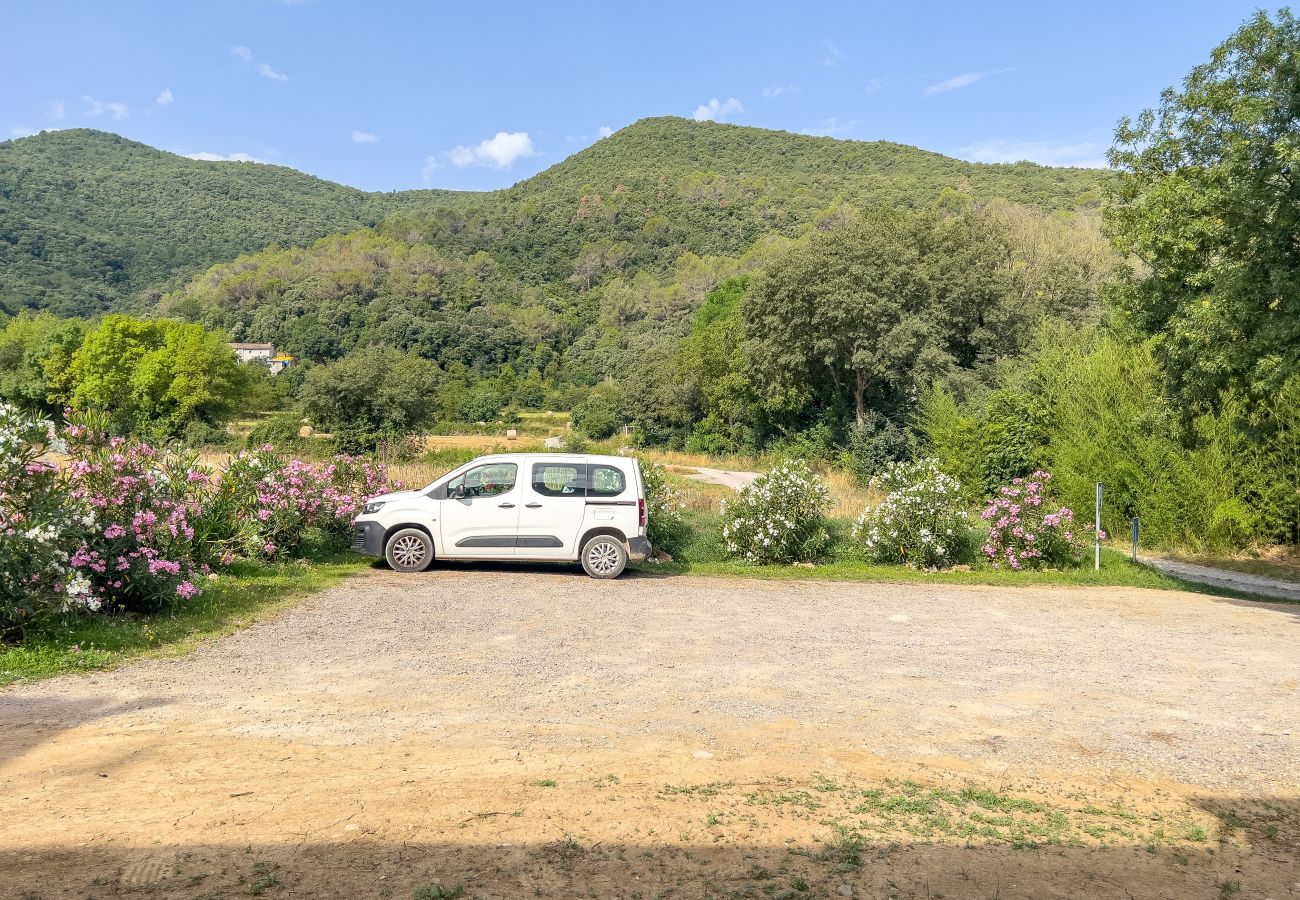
[
  {"x": 1209, "y": 199},
  {"x": 155, "y": 374}
]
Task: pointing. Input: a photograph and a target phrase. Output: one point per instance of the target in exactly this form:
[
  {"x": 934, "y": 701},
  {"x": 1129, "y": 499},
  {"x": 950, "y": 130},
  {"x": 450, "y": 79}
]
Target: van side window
[
  {"x": 485, "y": 481},
  {"x": 558, "y": 479},
  {"x": 605, "y": 481}
]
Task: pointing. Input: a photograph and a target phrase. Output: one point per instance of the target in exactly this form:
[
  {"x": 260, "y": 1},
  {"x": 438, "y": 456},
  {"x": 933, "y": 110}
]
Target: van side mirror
[{"x": 457, "y": 492}]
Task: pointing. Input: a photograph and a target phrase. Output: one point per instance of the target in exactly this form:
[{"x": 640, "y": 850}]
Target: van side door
[
  {"x": 479, "y": 517},
  {"x": 553, "y": 510}
]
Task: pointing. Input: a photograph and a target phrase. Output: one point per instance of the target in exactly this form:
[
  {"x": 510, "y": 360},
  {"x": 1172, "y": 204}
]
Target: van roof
[{"x": 587, "y": 457}]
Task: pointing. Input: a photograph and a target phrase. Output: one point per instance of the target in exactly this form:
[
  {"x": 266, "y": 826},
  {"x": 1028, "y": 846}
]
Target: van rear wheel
[
  {"x": 409, "y": 550},
  {"x": 604, "y": 556}
]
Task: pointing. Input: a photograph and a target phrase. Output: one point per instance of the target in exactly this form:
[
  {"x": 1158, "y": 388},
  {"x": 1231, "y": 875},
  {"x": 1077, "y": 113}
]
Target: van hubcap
[
  {"x": 603, "y": 558},
  {"x": 408, "y": 550}
]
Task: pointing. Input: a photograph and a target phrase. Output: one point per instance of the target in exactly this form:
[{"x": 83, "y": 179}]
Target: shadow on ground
[
  {"x": 571, "y": 866},
  {"x": 28, "y": 722}
]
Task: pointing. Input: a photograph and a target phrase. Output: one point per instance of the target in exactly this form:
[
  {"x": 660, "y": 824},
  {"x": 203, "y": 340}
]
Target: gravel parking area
[{"x": 465, "y": 672}]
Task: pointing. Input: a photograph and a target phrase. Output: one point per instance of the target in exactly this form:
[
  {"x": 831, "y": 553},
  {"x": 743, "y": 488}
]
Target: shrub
[
  {"x": 874, "y": 444},
  {"x": 665, "y": 525},
  {"x": 1026, "y": 531},
  {"x": 124, "y": 525},
  {"x": 280, "y": 429},
  {"x": 922, "y": 520},
  {"x": 138, "y": 549},
  {"x": 601, "y": 414},
  {"x": 204, "y": 434},
  {"x": 276, "y": 505},
  {"x": 780, "y": 518},
  {"x": 37, "y": 519}
]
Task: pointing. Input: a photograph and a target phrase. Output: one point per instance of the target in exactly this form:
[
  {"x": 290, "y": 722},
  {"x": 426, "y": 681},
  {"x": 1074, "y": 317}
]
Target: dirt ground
[{"x": 513, "y": 732}]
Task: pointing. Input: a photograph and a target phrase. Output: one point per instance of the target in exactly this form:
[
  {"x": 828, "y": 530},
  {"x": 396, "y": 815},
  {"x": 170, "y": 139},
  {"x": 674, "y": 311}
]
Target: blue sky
[{"x": 395, "y": 95}]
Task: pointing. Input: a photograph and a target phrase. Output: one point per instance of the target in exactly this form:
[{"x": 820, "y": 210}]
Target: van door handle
[
  {"x": 533, "y": 505},
  {"x": 506, "y": 505}
]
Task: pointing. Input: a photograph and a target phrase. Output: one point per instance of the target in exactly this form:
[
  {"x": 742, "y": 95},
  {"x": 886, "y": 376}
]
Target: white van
[{"x": 520, "y": 506}]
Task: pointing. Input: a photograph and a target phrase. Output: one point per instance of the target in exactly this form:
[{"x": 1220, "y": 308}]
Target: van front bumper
[
  {"x": 368, "y": 538},
  {"x": 638, "y": 548}
]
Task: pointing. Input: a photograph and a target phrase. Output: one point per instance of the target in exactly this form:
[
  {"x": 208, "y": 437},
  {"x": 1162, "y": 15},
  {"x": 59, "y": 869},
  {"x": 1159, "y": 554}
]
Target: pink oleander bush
[
  {"x": 1027, "y": 531},
  {"x": 138, "y": 550},
  {"x": 275, "y": 504},
  {"x": 90, "y": 522}
]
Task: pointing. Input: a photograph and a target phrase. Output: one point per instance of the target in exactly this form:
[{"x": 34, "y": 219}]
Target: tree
[
  {"x": 601, "y": 414},
  {"x": 1208, "y": 198},
  {"x": 155, "y": 374},
  {"x": 850, "y": 313},
  {"x": 35, "y": 351},
  {"x": 370, "y": 394}
]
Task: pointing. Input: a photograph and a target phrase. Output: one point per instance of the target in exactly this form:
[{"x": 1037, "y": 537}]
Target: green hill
[
  {"x": 667, "y": 185},
  {"x": 91, "y": 221},
  {"x": 88, "y": 219}
]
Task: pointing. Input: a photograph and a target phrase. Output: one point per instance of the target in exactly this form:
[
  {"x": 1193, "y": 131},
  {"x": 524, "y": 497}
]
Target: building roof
[{"x": 252, "y": 346}]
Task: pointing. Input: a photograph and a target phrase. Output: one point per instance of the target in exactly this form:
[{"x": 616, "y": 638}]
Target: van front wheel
[
  {"x": 604, "y": 556},
  {"x": 409, "y": 550}
]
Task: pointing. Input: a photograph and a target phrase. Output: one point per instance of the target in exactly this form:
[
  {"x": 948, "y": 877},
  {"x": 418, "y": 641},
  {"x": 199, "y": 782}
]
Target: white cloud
[
  {"x": 1083, "y": 153},
  {"x": 499, "y": 151},
  {"x": 115, "y": 109},
  {"x": 717, "y": 110},
  {"x": 22, "y": 131},
  {"x": 603, "y": 131},
  {"x": 833, "y": 55},
  {"x": 263, "y": 69},
  {"x": 232, "y": 157},
  {"x": 266, "y": 71},
  {"x": 56, "y": 110},
  {"x": 780, "y": 90},
  {"x": 165, "y": 98},
  {"x": 364, "y": 137},
  {"x": 965, "y": 79},
  {"x": 832, "y": 127},
  {"x": 430, "y": 166},
  {"x": 875, "y": 86}
]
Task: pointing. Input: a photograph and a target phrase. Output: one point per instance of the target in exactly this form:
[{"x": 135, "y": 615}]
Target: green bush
[
  {"x": 601, "y": 414},
  {"x": 280, "y": 429},
  {"x": 665, "y": 526},
  {"x": 204, "y": 434},
  {"x": 874, "y": 444}
]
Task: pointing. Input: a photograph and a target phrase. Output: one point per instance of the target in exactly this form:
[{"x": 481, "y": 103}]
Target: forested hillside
[
  {"x": 90, "y": 221},
  {"x": 664, "y": 186}
]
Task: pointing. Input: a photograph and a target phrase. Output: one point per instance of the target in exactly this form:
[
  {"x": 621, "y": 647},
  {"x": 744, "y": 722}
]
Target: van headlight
[{"x": 373, "y": 507}]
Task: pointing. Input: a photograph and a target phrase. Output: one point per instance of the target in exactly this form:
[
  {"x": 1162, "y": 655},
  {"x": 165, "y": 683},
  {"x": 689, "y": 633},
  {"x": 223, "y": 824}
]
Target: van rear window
[{"x": 605, "y": 481}]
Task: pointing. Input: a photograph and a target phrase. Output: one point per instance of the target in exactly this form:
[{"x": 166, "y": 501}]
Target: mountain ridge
[{"x": 90, "y": 220}]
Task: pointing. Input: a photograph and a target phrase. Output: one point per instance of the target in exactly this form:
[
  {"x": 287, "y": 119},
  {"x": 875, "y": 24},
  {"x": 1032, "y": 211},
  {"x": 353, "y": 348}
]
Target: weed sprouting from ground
[{"x": 438, "y": 892}]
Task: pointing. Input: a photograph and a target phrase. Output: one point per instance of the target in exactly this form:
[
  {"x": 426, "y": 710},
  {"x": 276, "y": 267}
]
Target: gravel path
[
  {"x": 1163, "y": 685},
  {"x": 737, "y": 481},
  {"x": 1226, "y": 578}
]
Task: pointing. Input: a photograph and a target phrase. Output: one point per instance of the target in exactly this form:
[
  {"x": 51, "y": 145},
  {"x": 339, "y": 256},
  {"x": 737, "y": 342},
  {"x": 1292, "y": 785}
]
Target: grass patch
[
  {"x": 438, "y": 892},
  {"x": 246, "y": 592}
]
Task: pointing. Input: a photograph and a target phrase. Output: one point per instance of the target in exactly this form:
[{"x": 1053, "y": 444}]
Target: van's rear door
[{"x": 553, "y": 510}]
